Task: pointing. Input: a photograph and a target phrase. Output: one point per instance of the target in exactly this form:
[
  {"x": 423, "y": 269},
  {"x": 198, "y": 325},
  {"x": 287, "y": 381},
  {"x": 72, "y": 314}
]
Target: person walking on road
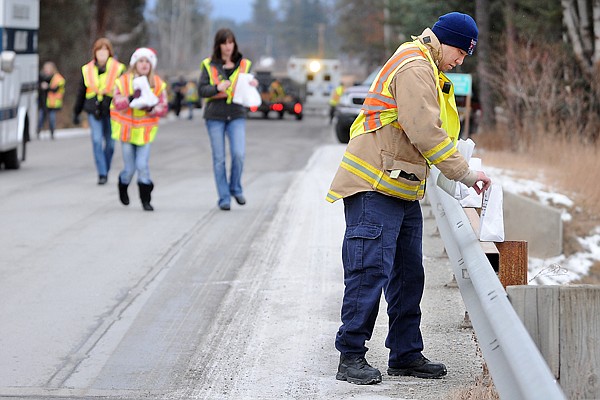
[
  {"x": 408, "y": 121},
  {"x": 94, "y": 96},
  {"x": 140, "y": 100},
  {"x": 51, "y": 92},
  {"x": 223, "y": 117},
  {"x": 334, "y": 100}
]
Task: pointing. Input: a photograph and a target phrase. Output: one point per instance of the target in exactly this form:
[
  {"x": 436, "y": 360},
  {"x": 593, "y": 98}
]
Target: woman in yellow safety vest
[
  {"x": 334, "y": 100},
  {"x": 140, "y": 99},
  {"x": 224, "y": 118},
  {"x": 51, "y": 93},
  {"x": 94, "y": 96}
]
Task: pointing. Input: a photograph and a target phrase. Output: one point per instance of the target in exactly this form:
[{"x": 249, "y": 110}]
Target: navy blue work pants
[{"x": 382, "y": 250}]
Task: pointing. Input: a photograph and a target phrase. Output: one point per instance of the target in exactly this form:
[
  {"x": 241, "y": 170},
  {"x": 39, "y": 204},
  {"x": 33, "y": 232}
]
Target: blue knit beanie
[{"x": 457, "y": 30}]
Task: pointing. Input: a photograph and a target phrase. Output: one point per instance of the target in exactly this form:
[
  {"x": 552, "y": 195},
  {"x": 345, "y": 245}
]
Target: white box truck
[{"x": 19, "y": 71}]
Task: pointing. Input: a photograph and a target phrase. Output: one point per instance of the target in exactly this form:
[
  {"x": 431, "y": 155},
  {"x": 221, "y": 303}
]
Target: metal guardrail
[{"x": 518, "y": 369}]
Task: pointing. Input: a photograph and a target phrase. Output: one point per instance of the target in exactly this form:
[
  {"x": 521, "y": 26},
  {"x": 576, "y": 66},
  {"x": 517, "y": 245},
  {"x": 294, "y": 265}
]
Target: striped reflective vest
[
  {"x": 98, "y": 85},
  {"x": 216, "y": 77},
  {"x": 56, "y": 93},
  {"x": 132, "y": 125},
  {"x": 379, "y": 107},
  {"x": 336, "y": 95},
  {"x": 191, "y": 92}
]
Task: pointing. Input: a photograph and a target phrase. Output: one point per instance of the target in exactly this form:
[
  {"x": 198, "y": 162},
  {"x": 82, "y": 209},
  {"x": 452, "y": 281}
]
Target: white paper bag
[
  {"x": 147, "y": 97},
  {"x": 472, "y": 199},
  {"x": 245, "y": 94},
  {"x": 491, "y": 222}
]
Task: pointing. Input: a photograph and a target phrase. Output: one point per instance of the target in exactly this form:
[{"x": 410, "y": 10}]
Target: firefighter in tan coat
[{"x": 408, "y": 122}]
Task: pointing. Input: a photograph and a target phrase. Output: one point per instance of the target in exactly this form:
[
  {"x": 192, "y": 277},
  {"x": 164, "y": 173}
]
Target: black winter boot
[
  {"x": 145, "y": 190},
  {"x": 356, "y": 369},
  {"x": 123, "y": 196}
]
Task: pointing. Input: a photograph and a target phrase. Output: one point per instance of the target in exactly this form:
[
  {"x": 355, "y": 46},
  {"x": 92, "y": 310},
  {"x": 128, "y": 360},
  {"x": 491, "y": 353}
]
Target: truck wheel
[
  {"x": 299, "y": 117},
  {"x": 343, "y": 135},
  {"x": 11, "y": 159}
]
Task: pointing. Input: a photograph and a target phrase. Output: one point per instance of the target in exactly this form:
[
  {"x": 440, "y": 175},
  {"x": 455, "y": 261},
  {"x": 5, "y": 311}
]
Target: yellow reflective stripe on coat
[{"x": 379, "y": 180}]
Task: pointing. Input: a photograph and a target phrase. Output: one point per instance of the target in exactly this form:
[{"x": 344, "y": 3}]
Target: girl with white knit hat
[{"x": 139, "y": 101}]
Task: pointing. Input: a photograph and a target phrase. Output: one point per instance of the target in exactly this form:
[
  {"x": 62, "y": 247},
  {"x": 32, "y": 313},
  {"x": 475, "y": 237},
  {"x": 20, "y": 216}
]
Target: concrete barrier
[{"x": 539, "y": 225}]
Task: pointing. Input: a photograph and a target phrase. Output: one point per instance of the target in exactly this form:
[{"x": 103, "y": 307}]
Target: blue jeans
[
  {"x": 382, "y": 250},
  {"x": 135, "y": 158},
  {"x": 235, "y": 131},
  {"x": 102, "y": 143},
  {"x": 51, "y": 113}
]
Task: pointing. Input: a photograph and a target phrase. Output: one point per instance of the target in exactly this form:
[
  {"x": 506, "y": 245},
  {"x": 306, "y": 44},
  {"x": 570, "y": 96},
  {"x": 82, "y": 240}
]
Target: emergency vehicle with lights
[{"x": 318, "y": 76}]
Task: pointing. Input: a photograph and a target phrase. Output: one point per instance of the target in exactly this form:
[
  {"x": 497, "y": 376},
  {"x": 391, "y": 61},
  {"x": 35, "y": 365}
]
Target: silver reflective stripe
[
  {"x": 441, "y": 152},
  {"x": 374, "y": 108},
  {"x": 376, "y": 180},
  {"x": 395, "y": 65}
]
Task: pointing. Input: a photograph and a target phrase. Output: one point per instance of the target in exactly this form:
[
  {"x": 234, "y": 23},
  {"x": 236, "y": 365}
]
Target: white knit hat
[{"x": 145, "y": 52}]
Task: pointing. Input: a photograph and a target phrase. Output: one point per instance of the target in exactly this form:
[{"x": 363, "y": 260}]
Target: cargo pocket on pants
[{"x": 364, "y": 248}]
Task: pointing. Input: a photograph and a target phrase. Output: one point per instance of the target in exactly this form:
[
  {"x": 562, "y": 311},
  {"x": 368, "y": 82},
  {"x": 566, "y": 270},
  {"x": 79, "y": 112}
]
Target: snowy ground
[{"x": 560, "y": 269}]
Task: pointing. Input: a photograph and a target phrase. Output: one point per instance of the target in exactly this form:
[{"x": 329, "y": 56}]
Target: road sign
[{"x": 463, "y": 84}]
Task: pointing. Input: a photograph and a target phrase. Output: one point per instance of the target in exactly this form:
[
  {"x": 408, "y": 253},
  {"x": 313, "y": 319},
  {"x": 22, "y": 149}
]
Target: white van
[{"x": 19, "y": 24}]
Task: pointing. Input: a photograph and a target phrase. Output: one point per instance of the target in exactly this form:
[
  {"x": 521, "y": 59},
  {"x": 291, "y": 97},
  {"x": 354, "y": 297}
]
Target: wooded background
[{"x": 535, "y": 67}]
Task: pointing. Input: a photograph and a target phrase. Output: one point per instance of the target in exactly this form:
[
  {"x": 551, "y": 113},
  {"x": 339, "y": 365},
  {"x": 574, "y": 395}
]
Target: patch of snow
[{"x": 561, "y": 269}]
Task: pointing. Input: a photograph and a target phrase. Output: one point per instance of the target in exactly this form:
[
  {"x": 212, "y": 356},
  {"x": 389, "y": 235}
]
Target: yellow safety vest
[
  {"x": 379, "y": 108},
  {"x": 132, "y": 125},
  {"x": 336, "y": 95},
  {"x": 191, "y": 92},
  {"x": 215, "y": 78},
  {"x": 99, "y": 85},
  {"x": 55, "y": 98}
]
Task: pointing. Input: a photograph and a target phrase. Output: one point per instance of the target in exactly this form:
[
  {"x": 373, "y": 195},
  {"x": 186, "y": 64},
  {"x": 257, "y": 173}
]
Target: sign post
[{"x": 463, "y": 86}]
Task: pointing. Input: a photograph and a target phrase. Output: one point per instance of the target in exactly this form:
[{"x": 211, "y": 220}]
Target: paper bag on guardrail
[
  {"x": 472, "y": 200},
  {"x": 245, "y": 94},
  {"x": 491, "y": 223}
]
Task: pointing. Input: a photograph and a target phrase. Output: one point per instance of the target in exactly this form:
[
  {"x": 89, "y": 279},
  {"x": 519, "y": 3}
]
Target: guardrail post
[{"x": 509, "y": 258}]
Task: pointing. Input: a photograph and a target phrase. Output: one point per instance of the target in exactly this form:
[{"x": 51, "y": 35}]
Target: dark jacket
[
  {"x": 91, "y": 106},
  {"x": 218, "y": 108}
]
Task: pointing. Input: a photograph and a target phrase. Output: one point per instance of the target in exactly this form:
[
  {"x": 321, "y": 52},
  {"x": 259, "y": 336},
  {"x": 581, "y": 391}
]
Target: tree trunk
[
  {"x": 570, "y": 21},
  {"x": 511, "y": 95},
  {"x": 483, "y": 65}
]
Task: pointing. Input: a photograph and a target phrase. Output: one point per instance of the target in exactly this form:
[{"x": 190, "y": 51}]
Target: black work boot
[
  {"x": 421, "y": 368},
  {"x": 123, "y": 196},
  {"x": 356, "y": 369},
  {"x": 145, "y": 190}
]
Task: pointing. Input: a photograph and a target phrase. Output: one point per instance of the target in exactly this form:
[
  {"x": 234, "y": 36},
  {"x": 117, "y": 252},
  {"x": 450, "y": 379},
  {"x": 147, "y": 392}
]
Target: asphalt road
[{"x": 99, "y": 300}]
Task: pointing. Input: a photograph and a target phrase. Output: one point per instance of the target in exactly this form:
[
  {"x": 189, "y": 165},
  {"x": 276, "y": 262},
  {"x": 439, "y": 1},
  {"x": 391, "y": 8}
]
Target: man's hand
[
  {"x": 485, "y": 180},
  {"x": 76, "y": 120}
]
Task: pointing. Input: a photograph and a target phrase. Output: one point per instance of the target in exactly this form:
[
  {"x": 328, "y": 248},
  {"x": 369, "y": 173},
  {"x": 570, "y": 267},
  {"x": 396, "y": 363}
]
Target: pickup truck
[{"x": 349, "y": 106}]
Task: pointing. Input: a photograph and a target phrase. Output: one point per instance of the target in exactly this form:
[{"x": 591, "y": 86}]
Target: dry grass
[{"x": 483, "y": 389}]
